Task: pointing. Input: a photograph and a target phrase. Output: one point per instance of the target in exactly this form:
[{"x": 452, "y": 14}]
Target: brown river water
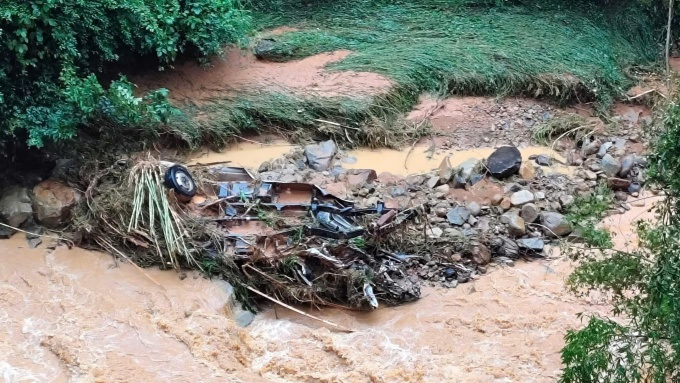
[{"x": 79, "y": 316}]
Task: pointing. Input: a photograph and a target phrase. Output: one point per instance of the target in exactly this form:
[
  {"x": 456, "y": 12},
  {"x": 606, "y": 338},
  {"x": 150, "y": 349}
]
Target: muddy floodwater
[
  {"x": 78, "y": 316},
  {"x": 418, "y": 159}
]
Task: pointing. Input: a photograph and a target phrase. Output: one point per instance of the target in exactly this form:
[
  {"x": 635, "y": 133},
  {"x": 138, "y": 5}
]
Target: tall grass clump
[{"x": 463, "y": 47}]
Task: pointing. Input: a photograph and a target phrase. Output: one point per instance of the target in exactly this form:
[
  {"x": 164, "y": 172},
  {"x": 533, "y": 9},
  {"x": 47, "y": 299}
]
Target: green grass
[
  {"x": 559, "y": 51},
  {"x": 453, "y": 48}
]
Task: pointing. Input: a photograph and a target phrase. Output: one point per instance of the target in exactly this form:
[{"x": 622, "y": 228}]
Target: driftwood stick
[{"x": 258, "y": 292}]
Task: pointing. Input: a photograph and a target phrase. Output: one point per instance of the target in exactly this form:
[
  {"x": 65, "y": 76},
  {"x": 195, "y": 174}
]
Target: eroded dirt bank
[{"x": 78, "y": 316}]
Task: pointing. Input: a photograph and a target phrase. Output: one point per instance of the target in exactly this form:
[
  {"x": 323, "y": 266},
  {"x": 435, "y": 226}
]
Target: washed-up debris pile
[{"x": 306, "y": 230}]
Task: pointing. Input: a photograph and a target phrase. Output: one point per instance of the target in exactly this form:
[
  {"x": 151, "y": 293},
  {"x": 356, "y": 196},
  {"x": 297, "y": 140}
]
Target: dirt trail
[{"x": 242, "y": 71}]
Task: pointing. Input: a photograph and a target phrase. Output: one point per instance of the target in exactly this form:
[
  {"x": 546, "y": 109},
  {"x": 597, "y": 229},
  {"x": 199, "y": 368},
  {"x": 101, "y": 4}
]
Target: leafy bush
[
  {"x": 54, "y": 55},
  {"x": 643, "y": 343}
]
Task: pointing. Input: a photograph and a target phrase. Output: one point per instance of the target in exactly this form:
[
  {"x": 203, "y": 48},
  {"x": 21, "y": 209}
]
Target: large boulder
[
  {"x": 504, "y": 162},
  {"x": 319, "y": 156},
  {"x": 555, "y": 224},
  {"x": 15, "y": 206},
  {"x": 53, "y": 201}
]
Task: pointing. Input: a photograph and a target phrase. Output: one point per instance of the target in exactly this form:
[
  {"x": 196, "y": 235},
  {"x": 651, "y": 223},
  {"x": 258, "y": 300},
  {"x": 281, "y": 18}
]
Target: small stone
[
  {"x": 398, "y": 191},
  {"x": 319, "y": 156},
  {"x": 527, "y": 171},
  {"x": 458, "y": 215},
  {"x": 472, "y": 220},
  {"x": 505, "y": 204},
  {"x": 441, "y": 212},
  {"x": 529, "y": 213},
  {"x": 473, "y": 208},
  {"x": 505, "y": 261},
  {"x": 512, "y": 187},
  {"x": 618, "y": 183},
  {"x": 434, "y": 232},
  {"x": 543, "y": 160},
  {"x": 34, "y": 242},
  {"x": 589, "y": 175},
  {"x": 536, "y": 244},
  {"x": 610, "y": 165},
  {"x": 638, "y": 203},
  {"x": 468, "y": 170},
  {"x": 634, "y": 187},
  {"x": 496, "y": 199},
  {"x": 521, "y": 197},
  {"x": 15, "y": 206},
  {"x": 359, "y": 177},
  {"x": 445, "y": 171},
  {"x": 566, "y": 200},
  {"x": 504, "y": 162},
  {"x": 451, "y": 232},
  {"x": 539, "y": 196},
  {"x": 555, "y": 224},
  {"x": 432, "y": 182},
  {"x": 625, "y": 206},
  {"x": 443, "y": 189},
  {"x": 590, "y": 148},
  {"x": 603, "y": 149},
  {"x": 481, "y": 254},
  {"x": 627, "y": 164},
  {"x": 621, "y": 196},
  {"x": 516, "y": 226}
]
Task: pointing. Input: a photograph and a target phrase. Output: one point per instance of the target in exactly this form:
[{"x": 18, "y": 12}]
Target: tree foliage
[
  {"x": 54, "y": 55},
  {"x": 641, "y": 343}
]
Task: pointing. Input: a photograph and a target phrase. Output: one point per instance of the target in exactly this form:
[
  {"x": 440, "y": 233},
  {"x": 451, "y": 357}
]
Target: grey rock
[
  {"x": 468, "y": 170},
  {"x": 445, "y": 171},
  {"x": 634, "y": 187},
  {"x": 473, "y": 208},
  {"x": 15, "y": 206},
  {"x": 590, "y": 148},
  {"x": 432, "y": 182},
  {"x": 530, "y": 213},
  {"x": 451, "y": 232},
  {"x": 6, "y": 232},
  {"x": 516, "y": 226},
  {"x": 555, "y": 224},
  {"x": 621, "y": 195},
  {"x": 265, "y": 49},
  {"x": 349, "y": 160},
  {"x": 512, "y": 187},
  {"x": 443, "y": 189},
  {"x": 521, "y": 197},
  {"x": 603, "y": 149},
  {"x": 434, "y": 232},
  {"x": 243, "y": 318},
  {"x": 610, "y": 165},
  {"x": 398, "y": 191},
  {"x": 539, "y": 195},
  {"x": 472, "y": 220},
  {"x": 566, "y": 200},
  {"x": 504, "y": 162},
  {"x": 543, "y": 160},
  {"x": 535, "y": 244},
  {"x": 34, "y": 242},
  {"x": 590, "y": 175},
  {"x": 627, "y": 164},
  {"x": 319, "y": 156},
  {"x": 359, "y": 177},
  {"x": 458, "y": 215}
]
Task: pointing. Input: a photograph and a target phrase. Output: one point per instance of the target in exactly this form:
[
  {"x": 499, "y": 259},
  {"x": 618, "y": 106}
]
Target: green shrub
[{"x": 55, "y": 55}]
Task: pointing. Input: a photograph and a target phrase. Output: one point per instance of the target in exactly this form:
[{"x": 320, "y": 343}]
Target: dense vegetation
[
  {"x": 56, "y": 56},
  {"x": 643, "y": 343}
]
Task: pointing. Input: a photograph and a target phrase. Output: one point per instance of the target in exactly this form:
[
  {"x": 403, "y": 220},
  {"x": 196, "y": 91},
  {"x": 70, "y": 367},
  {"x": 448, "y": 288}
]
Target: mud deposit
[{"x": 78, "y": 316}]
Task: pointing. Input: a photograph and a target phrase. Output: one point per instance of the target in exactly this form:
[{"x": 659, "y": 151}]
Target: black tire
[{"x": 179, "y": 179}]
